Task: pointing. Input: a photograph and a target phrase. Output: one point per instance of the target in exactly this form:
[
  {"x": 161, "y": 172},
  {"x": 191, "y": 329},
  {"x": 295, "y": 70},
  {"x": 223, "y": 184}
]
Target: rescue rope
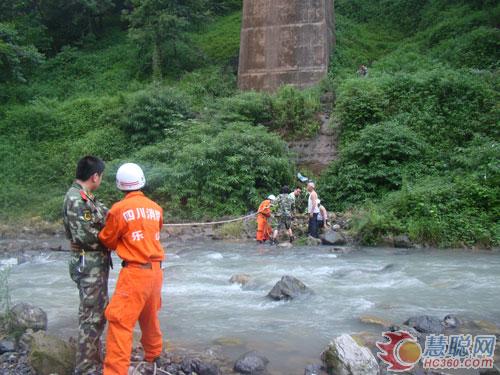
[{"x": 209, "y": 223}]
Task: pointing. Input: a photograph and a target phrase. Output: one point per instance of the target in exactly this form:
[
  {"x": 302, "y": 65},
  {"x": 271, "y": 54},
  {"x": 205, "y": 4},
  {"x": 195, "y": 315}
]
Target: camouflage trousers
[{"x": 92, "y": 283}]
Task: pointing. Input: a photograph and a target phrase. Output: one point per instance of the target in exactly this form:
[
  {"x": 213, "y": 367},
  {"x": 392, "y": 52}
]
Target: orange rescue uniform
[
  {"x": 264, "y": 230},
  {"x": 133, "y": 228}
]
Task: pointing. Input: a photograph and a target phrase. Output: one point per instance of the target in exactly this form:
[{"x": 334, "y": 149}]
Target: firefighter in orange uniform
[
  {"x": 264, "y": 230},
  {"x": 133, "y": 228}
]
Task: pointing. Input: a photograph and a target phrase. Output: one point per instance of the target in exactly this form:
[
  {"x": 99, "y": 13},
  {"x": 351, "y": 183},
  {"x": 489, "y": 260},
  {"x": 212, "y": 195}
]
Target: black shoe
[{"x": 292, "y": 238}]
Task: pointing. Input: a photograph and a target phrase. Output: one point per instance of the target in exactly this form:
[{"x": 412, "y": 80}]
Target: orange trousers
[
  {"x": 264, "y": 230},
  {"x": 137, "y": 298}
]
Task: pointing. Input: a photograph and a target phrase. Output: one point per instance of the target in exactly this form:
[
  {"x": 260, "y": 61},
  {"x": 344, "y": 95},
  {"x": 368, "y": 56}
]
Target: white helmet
[
  {"x": 271, "y": 197},
  {"x": 130, "y": 177}
]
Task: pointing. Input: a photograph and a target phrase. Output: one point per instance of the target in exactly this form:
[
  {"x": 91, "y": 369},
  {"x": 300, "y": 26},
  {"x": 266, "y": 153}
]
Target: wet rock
[
  {"x": 50, "y": 354},
  {"x": 311, "y": 241},
  {"x": 371, "y": 319},
  {"x": 252, "y": 363},
  {"x": 491, "y": 371},
  {"x": 241, "y": 279},
  {"x": 286, "y": 245},
  {"x": 402, "y": 241},
  {"x": 426, "y": 324},
  {"x": 25, "y": 340},
  {"x": 313, "y": 370},
  {"x": 7, "y": 346},
  {"x": 332, "y": 237},
  {"x": 451, "y": 321},
  {"x": 190, "y": 365},
  {"x": 344, "y": 356},
  {"x": 288, "y": 287},
  {"x": 25, "y": 315}
]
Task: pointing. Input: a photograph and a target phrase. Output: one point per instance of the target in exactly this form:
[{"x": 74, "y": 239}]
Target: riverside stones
[
  {"x": 26, "y": 316},
  {"x": 426, "y": 324},
  {"x": 252, "y": 363},
  {"x": 344, "y": 356},
  {"x": 288, "y": 287},
  {"x": 332, "y": 237},
  {"x": 50, "y": 354},
  {"x": 285, "y": 42}
]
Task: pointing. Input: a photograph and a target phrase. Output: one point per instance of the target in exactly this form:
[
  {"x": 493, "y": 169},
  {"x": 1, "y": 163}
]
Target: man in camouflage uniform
[
  {"x": 283, "y": 212},
  {"x": 84, "y": 216}
]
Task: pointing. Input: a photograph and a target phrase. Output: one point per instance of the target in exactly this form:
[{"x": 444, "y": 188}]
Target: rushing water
[{"x": 200, "y": 305}]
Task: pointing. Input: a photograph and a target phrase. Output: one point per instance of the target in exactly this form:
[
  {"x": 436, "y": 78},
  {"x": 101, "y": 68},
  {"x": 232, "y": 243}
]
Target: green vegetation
[
  {"x": 418, "y": 136},
  {"x": 154, "y": 82}
]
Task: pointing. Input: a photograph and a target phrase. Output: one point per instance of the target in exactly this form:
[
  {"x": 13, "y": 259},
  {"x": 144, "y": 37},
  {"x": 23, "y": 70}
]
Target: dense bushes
[
  {"x": 458, "y": 211},
  {"x": 153, "y": 114},
  {"x": 378, "y": 161},
  {"x": 418, "y": 153},
  {"x": 444, "y": 106},
  {"x": 290, "y": 112},
  {"x": 212, "y": 170}
]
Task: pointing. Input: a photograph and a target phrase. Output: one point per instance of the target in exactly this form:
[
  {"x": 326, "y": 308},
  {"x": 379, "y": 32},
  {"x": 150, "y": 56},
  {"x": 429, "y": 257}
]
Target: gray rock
[
  {"x": 451, "y": 321},
  {"x": 7, "y": 346},
  {"x": 25, "y": 316},
  {"x": 402, "y": 241},
  {"x": 332, "y": 237},
  {"x": 50, "y": 354},
  {"x": 426, "y": 324},
  {"x": 344, "y": 356},
  {"x": 311, "y": 241},
  {"x": 202, "y": 368},
  {"x": 252, "y": 363},
  {"x": 288, "y": 287},
  {"x": 312, "y": 370}
]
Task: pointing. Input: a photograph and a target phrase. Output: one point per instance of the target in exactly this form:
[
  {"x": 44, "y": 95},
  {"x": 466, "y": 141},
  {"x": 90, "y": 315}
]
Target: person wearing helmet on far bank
[{"x": 133, "y": 228}]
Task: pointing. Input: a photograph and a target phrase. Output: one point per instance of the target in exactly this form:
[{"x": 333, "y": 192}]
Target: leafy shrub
[
  {"x": 290, "y": 112},
  {"x": 294, "y": 112},
  {"x": 250, "y": 106},
  {"x": 206, "y": 84},
  {"x": 213, "y": 171},
  {"x": 478, "y": 49},
  {"x": 447, "y": 211},
  {"x": 153, "y": 114},
  {"x": 439, "y": 104},
  {"x": 360, "y": 103},
  {"x": 377, "y": 162}
]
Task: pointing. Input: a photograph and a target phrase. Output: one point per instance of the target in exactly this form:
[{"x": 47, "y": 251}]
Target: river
[{"x": 200, "y": 305}]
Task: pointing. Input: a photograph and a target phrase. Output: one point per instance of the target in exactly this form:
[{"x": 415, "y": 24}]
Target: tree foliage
[{"x": 158, "y": 25}]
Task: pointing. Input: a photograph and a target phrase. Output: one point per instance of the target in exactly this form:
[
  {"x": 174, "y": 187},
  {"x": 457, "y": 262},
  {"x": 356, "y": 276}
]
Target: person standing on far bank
[
  {"x": 84, "y": 216},
  {"x": 312, "y": 210},
  {"x": 133, "y": 229}
]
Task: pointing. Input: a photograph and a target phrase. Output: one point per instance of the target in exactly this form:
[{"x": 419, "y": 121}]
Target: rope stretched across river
[{"x": 209, "y": 223}]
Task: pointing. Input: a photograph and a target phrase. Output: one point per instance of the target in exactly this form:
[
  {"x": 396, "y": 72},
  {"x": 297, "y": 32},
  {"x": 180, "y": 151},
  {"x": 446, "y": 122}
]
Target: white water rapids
[{"x": 200, "y": 305}]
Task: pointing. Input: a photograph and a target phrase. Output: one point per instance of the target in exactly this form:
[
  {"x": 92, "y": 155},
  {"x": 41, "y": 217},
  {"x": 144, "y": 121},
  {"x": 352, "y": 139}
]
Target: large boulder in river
[
  {"x": 25, "y": 316},
  {"x": 426, "y": 324},
  {"x": 51, "y": 355},
  {"x": 332, "y": 237},
  {"x": 251, "y": 363},
  {"x": 288, "y": 287},
  {"x": 344, "y": 356}
]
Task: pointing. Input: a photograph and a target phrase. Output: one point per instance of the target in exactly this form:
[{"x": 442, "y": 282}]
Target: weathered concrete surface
[{"x": 285, "y": 42}]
